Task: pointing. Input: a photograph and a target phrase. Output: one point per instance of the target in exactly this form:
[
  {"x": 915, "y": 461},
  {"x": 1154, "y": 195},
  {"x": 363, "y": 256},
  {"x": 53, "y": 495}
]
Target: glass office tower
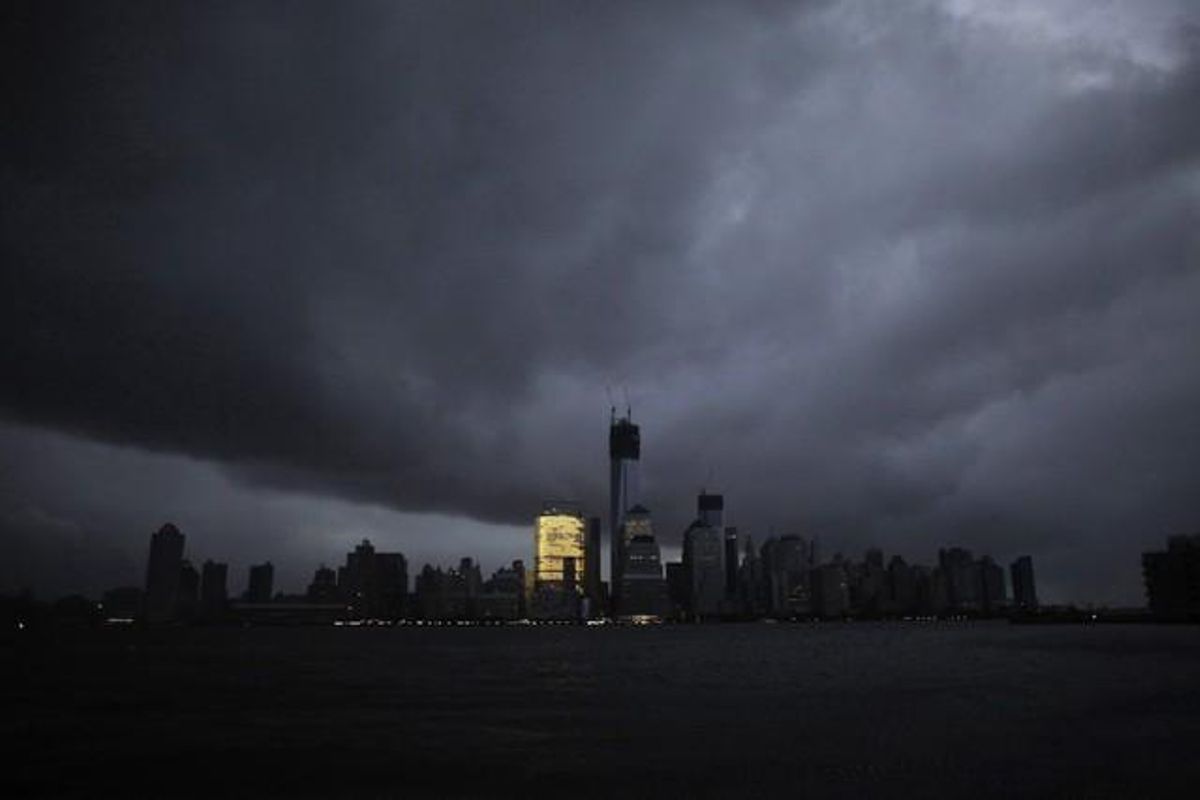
[
  {"x": 560, "y": 547},
  {"x": 624, "y": 452}
]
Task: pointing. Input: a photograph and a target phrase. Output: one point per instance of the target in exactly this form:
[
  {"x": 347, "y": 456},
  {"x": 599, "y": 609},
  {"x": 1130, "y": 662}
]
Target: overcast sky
[{"x": 903, "y": 274}]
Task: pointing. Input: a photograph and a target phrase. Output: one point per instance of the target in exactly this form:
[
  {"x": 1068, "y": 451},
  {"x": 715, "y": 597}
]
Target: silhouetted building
[
  {"x": 962, "y": 578},
  {"x": 162, "y": 574},
  {"x": 522, "y": 574},
  {"x": 374, "y": 584},
  {"x": 638, "y": 523},
  {"x": 470, "y": 577},
  {"x": 324, "y": 586},
  {"x": 1024, "y": 590},
  {"x": 592, "y": 583},
  {"x": 731, "y": 564},
  {"x": 868, "y": 584},
  {"x": 704, "y": 566},
  {"x": 710, "y": 510},
  {"x": 902, "y": 587},
  {"x": 214, "y": 593},
  {"x": 933, "y": 590},
  {"x": 787, "y": 565},
  {"x": 992, "y": 594},
  {"x": 643, "y": 589},
  {"x": 460, "y": 593},
  {"x": 830, "y": 590},
  {"x": 624, "y": 452},
  {"x": 430, "y": 593},
  {"x": 188, "y": 600},
  {"x": 1173, "y": 578},
  {"x": 388, "y": 593},
  {"x": 261, "y": 583},
  {"x": 123, "y": 603},
  {"x": 503, "y": 594},
  {"x": 677, "y": 588},
  {"x": 751, "y": 579}
]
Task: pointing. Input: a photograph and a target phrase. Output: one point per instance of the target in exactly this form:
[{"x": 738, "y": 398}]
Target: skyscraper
[
  {"x": 374, "y": 584},
  {"x": 1024, "y": 591},
  {"x": 162, "y": 573},
  {"x": 787, "y": 565},
  {"x": 624, "y": 452},
  {"x": 704, "y": 556},
  {"x": 991, "y": 594},
  {"x": 559, "y": 562},
  {"x": 710, "y": 509},
  {"x": 731, "y": 563},
  {"x": 324, "y": 586},
  {"x": 188, "y": 598},
  {"x": 213, "y": 592},
  {"x": 1173, "y": 578},
  {"x": 703, "y": 569},
  {"x": 643, "y": 589},
  {"x": 830, "y": 591},
  {"x": 261, "y": 583},
  {"x": 963, "y": 582},
  {"x": 559, "y": 545},
  {"x": 591, "y": 567}
]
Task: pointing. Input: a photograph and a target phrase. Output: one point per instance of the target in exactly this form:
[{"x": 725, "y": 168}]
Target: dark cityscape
[
  {"x": 600, "y": 399},
  {"x": 721, "y": 576}
]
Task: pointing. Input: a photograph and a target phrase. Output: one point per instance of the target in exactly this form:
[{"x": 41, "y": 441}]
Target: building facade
[
  {"x": 162, "y": 574},
  {"x": 1172, "y": 578},
  {"x": 373, "y": 583},
  {"x": 559, "y": 561},
  {"x": 704, "y": 566},
  {"x": 624, "y": 453},
  {"x": 643, "y": 591},
  {"x": 261, "y": 583},
  {"x": 1023, "y": 588},
  {"x": 214, "y": 590}
]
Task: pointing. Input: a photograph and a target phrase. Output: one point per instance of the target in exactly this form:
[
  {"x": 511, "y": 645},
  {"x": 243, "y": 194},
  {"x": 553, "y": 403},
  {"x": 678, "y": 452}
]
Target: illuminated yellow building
[{"x": 559, "y": 550}]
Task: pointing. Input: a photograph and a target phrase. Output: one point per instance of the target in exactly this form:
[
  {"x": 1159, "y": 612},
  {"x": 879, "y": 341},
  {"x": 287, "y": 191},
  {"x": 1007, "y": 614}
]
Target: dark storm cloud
[{"x": 891, "y": 274}]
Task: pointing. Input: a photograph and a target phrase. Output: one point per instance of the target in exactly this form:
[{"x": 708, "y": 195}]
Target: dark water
[{"x": 835, "y": 710}]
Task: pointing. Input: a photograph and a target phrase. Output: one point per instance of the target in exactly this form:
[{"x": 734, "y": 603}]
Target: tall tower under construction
[{"x": 624, "y": 452}]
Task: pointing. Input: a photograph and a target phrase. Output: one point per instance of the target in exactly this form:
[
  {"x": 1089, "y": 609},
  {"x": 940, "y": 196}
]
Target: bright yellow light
[{"x": 558, "y": 537}]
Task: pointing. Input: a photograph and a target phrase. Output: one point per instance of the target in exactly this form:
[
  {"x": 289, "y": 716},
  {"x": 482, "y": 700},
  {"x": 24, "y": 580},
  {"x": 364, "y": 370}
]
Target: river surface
[{"x": 753, "y": 710}]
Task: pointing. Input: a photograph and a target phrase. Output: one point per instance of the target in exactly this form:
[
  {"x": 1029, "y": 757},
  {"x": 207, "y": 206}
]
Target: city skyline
[
  {"x": 891, "y": 275},
  {"x": 624, "y": 443}
]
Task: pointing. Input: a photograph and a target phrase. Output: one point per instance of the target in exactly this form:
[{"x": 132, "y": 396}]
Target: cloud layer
[{"x": 896, "y": 274}]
